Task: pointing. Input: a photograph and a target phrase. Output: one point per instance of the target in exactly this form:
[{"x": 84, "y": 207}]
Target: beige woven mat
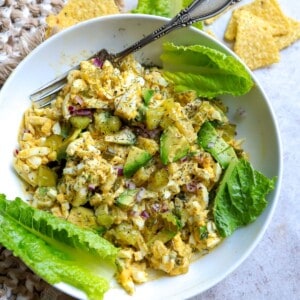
[
  {"x": 18, "y": 282},
  {"x": 23, "y": 24},
  {"x": 22, "y": 28}
]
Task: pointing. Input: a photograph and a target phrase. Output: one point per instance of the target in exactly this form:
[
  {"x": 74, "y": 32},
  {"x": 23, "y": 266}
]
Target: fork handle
[{"x": 198, "y": 10}]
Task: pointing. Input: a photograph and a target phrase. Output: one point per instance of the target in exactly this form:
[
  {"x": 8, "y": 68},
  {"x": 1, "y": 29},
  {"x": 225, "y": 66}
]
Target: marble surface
[{"x": 272, "y": 271}]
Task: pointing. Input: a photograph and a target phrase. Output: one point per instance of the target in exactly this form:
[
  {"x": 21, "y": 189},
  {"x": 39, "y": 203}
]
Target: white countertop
[{"x": 272, "y": 271}]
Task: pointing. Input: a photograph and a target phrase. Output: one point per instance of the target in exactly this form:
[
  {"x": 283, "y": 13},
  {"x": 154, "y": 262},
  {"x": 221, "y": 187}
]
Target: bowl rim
[{"x": 272, "y": 206}]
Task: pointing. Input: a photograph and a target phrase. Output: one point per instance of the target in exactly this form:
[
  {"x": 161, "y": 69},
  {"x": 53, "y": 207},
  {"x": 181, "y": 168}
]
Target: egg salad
[{"x": 122, "y": 153}]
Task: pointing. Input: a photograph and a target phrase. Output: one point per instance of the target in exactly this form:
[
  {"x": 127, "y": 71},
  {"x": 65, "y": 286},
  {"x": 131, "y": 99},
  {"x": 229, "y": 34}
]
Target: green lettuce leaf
[
  {"x": 55, "y": 249},
  {"x": 163, "y": 8},
  {"x": 207, "y": 71},
  {"x": 240, "y": 197}
]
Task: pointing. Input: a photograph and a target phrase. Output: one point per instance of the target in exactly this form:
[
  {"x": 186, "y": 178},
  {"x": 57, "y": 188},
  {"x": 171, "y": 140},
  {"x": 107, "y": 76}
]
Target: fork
[{"x": 198, "y": 10}]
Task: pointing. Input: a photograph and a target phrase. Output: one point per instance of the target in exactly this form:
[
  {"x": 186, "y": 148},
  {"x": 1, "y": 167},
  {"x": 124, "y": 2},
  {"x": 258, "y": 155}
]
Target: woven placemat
[
  {"x": 20, "y": 283},
  {"x": 22, "y": 28},
  {"x": 22, "y": 24}
]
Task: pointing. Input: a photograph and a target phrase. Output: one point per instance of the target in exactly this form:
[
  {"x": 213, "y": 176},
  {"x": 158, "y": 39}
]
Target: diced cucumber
[
  {"x": 123, "y": 137},
  {"x": 173, "y": 145},
  {"x": 80, "y": 122},
  {"x": 164, "y": 236},
  {"x": 136, "y": 159},
  {"x": 54, "y": 141},
  {"x": 127, "y": 199},
  {"x": 104, "y": 219},
  {"x": 159, "y": 179},
  {"x": 211, "y": 142},
  {"x": 106, "y": 123},
  {"x": 46, "y": 176}
]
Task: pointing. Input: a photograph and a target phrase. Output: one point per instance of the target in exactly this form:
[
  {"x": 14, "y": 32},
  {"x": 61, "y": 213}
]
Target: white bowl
[{"x": 259, "y": 128}]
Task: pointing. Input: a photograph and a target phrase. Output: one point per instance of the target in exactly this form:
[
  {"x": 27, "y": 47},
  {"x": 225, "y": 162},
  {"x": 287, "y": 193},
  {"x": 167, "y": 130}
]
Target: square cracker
[
  {"x": 283, "y": 41},
  {"x": 269, "y": 10},
  {"x": 254, "y": 43}
]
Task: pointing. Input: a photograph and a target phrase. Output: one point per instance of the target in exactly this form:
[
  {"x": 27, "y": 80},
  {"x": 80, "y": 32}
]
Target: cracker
[
  {"x": 254, "y": 43},
  {"x": 293, "y": 35},
  {"x": 268, "y": 10},
  {"x": 231, "y": 29},
  {"x": 76, "y": 11}
]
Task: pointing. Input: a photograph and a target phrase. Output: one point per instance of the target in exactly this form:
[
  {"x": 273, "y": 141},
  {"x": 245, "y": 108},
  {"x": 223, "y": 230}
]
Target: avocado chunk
[
  {"x": 61, "y": 150},
  {"x": 209, "y": 139},
  {"x": 171, "y": 221},
  {"x": 173, "y": 145},
  {"x": 136, "y": 159},
  {"x": 127, "y": 199}
]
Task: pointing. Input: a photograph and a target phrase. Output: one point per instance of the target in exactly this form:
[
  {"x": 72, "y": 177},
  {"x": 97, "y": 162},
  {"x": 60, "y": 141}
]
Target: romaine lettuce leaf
[
  {"x": 207, "y": 71},
  {"x": 240, "y": 197},
  {"x": 164, "y": 8},
  {"x": 55, "y": 249}
]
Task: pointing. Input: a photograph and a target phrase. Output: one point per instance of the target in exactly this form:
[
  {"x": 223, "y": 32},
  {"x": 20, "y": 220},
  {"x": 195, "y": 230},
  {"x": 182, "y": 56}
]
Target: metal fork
[{"x": 198, "y": 10}]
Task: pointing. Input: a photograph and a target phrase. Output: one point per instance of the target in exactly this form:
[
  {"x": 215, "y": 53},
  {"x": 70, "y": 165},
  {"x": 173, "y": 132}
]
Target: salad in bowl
[{"x": 136, "y": 169}]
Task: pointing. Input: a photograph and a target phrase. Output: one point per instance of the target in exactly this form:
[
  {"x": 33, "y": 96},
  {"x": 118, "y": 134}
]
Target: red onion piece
[
  {"x": 193, "y": 186},
  {"x": 119, "y": 170},
  {"x": 91, "y": 187},
  {"x": 155, "y": 133},
  {"x": 142, "y": 131},
  {"x": 155, "y": 207},
  {"x": 71, "y": 108},
  {"x": 16, "y": 152},
  {"x": 80, "y": 112},
  {"x": 184, "y": 159},
  {"x": 164, "y": 207},
  {"x": 98, "y": 62},
  {"x": 145, "y": 214}
]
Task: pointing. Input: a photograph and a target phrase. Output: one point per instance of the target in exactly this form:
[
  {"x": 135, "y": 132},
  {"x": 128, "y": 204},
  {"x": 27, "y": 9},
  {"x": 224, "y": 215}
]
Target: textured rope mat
[{"x": 17, "y": 282}]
